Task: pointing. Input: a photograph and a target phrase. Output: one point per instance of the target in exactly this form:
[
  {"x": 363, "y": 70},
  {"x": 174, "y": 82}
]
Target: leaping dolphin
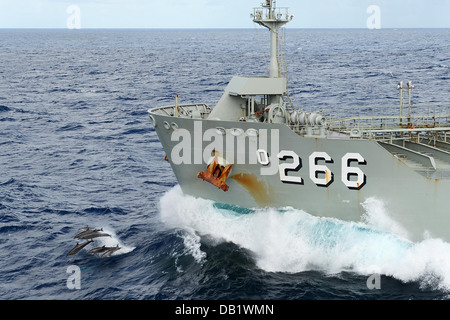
[
  {"x": 110, "y": 251},
  {"x": 86, "y": 230},
  {"x": 92, "y": 234},
  {"x": 78, "y": 247},
  {"x": 99, "y": 249}
]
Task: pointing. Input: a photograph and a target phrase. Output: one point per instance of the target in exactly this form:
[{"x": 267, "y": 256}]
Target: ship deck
[
  {"x": 389, "y": 122},
  {"x": 418, "y": 135}
]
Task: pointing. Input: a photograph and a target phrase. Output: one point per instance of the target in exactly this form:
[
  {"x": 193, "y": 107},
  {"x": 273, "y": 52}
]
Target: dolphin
[
  {"x": 85, "y": 231},
  {"x": 99, "y": 249},
  {"x": 110, "y": 251},
  {"x": 78, "y": 247},
  {"x": 93, "y": 234}
]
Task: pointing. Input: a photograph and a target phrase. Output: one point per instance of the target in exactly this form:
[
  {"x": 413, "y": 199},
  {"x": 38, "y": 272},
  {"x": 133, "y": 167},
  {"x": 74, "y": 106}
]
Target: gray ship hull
[
  {"x": 332, "y": 177},
  {"x": 256, "y": 149}
]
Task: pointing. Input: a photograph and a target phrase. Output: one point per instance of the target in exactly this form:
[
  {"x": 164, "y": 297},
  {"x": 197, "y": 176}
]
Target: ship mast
[{"x": 273, "y": 18}]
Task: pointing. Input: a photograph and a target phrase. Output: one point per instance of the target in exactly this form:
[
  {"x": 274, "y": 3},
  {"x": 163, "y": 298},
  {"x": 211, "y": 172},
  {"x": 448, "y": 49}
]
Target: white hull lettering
[
  {"x": 349, "y": 171},
  {"x": 316, "y": 170},
  {"x": 321, "y": 175},
  {"x": 295, "y": 166}
]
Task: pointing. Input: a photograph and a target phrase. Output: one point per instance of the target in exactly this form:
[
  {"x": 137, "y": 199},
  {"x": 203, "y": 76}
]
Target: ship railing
[
  {"x": 196, "y": 110},
  {"x": 382, "y": 122},
  {"x": 264, "y": 14}
]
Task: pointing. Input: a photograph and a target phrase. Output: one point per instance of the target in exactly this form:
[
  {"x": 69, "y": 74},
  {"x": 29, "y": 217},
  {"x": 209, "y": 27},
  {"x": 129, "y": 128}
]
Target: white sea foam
[
  {"x": 376, "y": 216},
  {"x": 112, "y": 242},
  {"x": 291, "y": 240},
  {"x": 192, "y": 244}
]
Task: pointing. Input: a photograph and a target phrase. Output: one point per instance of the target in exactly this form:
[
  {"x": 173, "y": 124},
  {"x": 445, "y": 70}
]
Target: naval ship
[{"x": 255, "y": 149}]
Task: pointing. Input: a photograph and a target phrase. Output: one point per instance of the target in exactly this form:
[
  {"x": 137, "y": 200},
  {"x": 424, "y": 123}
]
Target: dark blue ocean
[{"x": 77, "y": 148}]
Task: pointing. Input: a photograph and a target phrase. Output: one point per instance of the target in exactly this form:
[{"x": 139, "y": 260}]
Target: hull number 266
[{"x": 319, "y": 173}]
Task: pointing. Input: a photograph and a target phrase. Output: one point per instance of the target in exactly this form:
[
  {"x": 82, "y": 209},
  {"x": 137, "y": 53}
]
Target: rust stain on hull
[{"x": 257, "y": 189}]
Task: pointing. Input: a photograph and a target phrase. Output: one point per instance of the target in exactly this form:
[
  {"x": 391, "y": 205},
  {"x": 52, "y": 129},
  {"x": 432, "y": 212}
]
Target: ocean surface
[{"x": 77, "y": 148}]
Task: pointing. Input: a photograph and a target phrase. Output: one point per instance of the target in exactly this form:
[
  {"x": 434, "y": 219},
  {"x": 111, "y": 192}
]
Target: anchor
[{"x": 216, "y": 174}]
